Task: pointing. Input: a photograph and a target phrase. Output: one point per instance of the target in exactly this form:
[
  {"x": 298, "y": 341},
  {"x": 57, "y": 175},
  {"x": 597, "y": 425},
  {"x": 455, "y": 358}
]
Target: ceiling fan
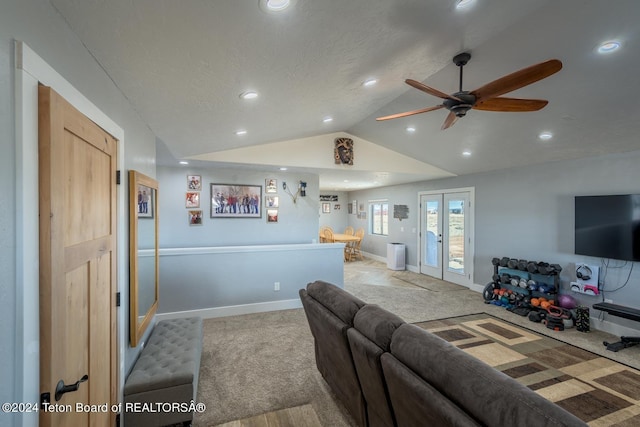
[{"x": 487, "y": 97}]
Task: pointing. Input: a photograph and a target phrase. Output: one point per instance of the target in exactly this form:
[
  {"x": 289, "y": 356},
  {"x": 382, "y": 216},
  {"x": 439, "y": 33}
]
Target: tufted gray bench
[{"x": 165, "y": 373}]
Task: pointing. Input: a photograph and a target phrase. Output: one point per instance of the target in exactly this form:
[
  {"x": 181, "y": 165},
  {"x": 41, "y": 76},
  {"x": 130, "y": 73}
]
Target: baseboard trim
[
  {"x": 382, "y": 259},
  {"x": 233, "y": 310}
]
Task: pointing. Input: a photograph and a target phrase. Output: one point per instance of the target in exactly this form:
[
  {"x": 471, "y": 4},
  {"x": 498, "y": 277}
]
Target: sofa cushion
[
  {"x": 340, "y": 302},
  {"x": 485, "y": 393},
  {"x": 377, "y": 324}
]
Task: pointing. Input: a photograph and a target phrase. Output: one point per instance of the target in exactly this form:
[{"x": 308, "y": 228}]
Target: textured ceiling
[{"x": 182, "y": 64}]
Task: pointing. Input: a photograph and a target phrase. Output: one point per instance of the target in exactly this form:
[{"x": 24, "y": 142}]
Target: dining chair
[
  {"x": 328, "y": 235},
  {"x": 348, "y": 230},
  {"x": 357, "y": 252}
]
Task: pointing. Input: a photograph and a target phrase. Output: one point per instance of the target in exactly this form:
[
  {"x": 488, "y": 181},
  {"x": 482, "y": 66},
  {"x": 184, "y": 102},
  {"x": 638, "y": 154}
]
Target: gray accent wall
[
  {"x": 37, "y": 23},
  {"x": 524, "y": 213}
]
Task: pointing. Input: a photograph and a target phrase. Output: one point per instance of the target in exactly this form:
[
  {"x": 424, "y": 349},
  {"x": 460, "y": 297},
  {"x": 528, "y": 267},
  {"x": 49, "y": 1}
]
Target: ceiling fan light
[{"x": 609, "y": 46}]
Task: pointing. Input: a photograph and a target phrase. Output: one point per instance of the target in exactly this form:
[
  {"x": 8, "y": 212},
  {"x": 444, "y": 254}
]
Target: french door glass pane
[
  {"x": 431, "y": 242},
  {"x": 456, "y": 235}
]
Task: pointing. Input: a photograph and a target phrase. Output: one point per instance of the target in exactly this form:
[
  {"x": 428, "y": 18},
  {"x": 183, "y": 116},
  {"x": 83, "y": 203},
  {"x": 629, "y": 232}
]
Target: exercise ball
[{"x": 567, "y": 301}]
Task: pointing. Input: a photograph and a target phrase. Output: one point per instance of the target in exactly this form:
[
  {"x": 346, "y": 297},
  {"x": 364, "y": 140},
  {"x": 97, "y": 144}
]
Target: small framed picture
[
  {"x": 192, "y": 199},
  {"x": 194, "y": 182},
  {"x": 336, "y": 207},
  {"x": 272, "y": 215},
  {"x": 271, "y": 201},
  {"x": 271, "y": 185},
  {"x": 326, "y": 208},
  {"x": 146, "y": 202},
  {"x": 195, "y": 217}
]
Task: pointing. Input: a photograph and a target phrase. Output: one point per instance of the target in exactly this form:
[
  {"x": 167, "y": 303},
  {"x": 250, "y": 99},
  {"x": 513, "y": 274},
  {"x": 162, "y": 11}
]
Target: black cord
[{"x": 623, "y": 285}]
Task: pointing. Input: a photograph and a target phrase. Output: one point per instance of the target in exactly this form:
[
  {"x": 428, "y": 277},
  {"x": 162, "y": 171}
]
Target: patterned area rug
[{"x": 595, "y": 389}]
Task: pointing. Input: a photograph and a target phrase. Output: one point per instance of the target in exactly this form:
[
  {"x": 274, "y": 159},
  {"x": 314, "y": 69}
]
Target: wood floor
[{"x": 299, "y": 416}]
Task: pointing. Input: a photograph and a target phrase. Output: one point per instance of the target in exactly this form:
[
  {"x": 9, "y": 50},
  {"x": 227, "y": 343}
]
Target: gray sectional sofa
[{"x": 390, "y": 373}]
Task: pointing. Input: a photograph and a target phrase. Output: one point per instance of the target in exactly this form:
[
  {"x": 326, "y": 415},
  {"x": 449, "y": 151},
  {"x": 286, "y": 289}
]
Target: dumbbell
[
  {"x": 512, "y": 263},
  {"x": 522, "y": 264},
  {"x": 515, "y": 280},
  {"x": 532, "y": 267},
  {"x": 504, "y": 261},
  {"x": 505, "y": 278},
  {"x": 522, "y": 283},
  {"x": 495, "y": 261}
]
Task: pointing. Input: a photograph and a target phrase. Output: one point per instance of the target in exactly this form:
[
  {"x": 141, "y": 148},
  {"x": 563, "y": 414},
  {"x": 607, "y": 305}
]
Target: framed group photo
[
  {"x": 236, "y": 201},
  {"x": 145, "y": 201}
]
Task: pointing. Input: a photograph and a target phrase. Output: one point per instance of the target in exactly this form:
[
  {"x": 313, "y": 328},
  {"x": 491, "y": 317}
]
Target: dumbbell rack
[
  {"x": 551, "y": 280},
  {"x": 547, "y": 279}
]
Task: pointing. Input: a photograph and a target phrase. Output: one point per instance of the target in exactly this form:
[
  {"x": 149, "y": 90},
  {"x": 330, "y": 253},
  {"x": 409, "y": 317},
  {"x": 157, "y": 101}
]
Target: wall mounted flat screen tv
[{"x": 608, "y": 226}]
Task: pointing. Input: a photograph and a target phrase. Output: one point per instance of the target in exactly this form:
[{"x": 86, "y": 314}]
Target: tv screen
[{"x": 608, "y": 226}]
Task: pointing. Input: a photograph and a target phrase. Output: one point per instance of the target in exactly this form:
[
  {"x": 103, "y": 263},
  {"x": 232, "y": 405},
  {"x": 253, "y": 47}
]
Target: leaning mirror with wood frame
[{"x": 143, "y": 253}]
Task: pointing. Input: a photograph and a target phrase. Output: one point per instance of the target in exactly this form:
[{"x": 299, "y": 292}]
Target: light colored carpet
[
  {"x": 264, "y": 362},
  {"x": 299, "y": 416}
]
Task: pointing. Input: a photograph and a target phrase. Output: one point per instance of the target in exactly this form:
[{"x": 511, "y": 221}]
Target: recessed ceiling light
[
  {"x": 249, "y": 95},
  {"x": 461, "y": 4},
  {"x": 241, "y": 132},
  {"x": 327, "y": 119},
  {"x": 369, "y": 82},
  {"x": 346, "y": 180},
  {"x": 466, "y": 153},
  {"x": 183, "y": 162},
  {"x": 545, "y": 136},
  {"x": 277, "y": 5},
  {"x": 283, "y": 169},
  {"x": 410, "y": 129},
  {"x": 609, "y": 46}
]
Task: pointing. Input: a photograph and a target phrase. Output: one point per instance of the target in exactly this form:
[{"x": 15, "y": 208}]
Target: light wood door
[{"x": 77, "y": 168}]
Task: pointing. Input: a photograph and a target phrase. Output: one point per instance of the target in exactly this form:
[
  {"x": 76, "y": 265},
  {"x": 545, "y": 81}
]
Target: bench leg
[{"x": 624, "y": 342}]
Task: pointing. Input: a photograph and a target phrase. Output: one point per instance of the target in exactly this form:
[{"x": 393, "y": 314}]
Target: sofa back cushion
[
  {"x": 369, "y": 339},
  {"x": 486, "y": 394},
  {"x": 338, "y": 301},
  {"x": 416, "y": 403}
]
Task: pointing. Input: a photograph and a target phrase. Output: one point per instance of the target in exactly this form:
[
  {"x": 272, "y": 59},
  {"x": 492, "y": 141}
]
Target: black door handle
[{"x": 62, "y": 389}]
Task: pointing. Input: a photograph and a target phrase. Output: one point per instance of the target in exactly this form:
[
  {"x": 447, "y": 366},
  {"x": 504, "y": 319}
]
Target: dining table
[{"x": 346, "y": 239}]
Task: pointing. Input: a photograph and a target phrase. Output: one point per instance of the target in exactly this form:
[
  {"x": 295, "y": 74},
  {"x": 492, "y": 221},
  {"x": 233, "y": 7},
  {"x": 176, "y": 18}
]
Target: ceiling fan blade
[
  {"x": 449, "y": 121},
  {"x": 430, "y": 90},
  {"x": 510, "y": 104},
  {"x": 410, "y": 113},
  {"x": 516, "y": 80}
]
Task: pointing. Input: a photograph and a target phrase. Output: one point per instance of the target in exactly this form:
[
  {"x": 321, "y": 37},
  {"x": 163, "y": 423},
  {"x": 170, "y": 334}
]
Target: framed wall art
[
  {"x": 326, "y": 208},
  {"x": 192, "y": 199},
  {"x": 270, "y": 186},
  {"x": 145, "y": 201},
  {"x": 194, "y": 182},
  {"x": 271, "y": 201},
  {"x": 272, "y": 215},
  {"x": 236, "y": 201},
  {"x": 195, "y": 217}
]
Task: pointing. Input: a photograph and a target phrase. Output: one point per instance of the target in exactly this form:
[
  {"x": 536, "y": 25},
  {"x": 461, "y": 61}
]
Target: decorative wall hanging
[
  {"x": 236, "y": 201},
  {"x": 145, "y": 202},
  {"x": 326, "y": 208},
  {"x": 194, "y": 182},
  {"x": 328, "y": 197},
  {"x": 343, "y": 151},
  {"x": 301, "y": 191},
  {"x": 401, "y": 212}
]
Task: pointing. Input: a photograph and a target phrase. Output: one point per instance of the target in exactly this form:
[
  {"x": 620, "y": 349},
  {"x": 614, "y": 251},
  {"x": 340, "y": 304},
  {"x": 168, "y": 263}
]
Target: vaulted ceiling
[{"x": 183, "y": 65}]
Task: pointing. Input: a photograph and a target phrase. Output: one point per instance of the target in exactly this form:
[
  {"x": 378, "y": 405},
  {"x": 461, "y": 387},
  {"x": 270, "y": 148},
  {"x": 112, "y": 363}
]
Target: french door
[{"x": 446, "y": 236}]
